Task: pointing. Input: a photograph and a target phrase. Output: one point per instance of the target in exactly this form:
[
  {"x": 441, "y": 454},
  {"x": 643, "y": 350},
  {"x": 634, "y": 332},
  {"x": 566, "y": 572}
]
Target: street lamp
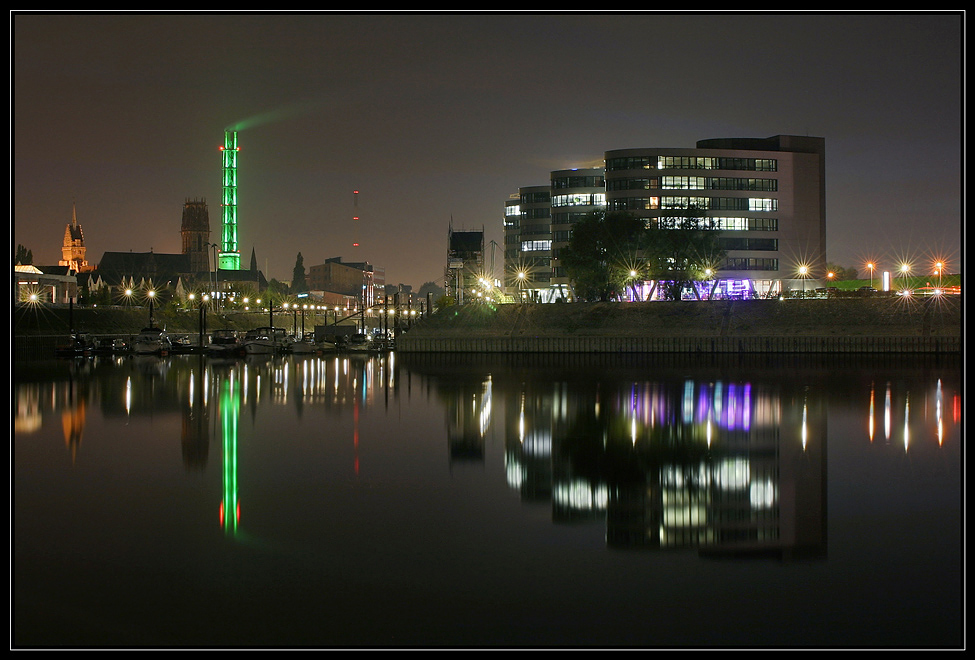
[
  {"x": 870, "y": 267},
  {"x": 938, "y": 269},
  {"x": 803, "y": 270},
  {"x": 216, "y": 270},
  {"x": 152, "y": 320},
  {"x": 521, "y": 283},
  {"x": 905, "y": 269}
]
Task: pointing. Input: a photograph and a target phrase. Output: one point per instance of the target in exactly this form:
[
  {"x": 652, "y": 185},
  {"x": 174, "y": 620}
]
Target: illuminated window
[
  {"x": 536, "y": 246},
  {"x": 757, "y": 204}
]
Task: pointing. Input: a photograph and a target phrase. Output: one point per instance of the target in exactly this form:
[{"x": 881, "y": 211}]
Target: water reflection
[
  {"x": 344, "y": 475},
  {"x": 728, "y": 466},
  {"x": 727, "y": 461},
  {"x": 732, "y": 463}
]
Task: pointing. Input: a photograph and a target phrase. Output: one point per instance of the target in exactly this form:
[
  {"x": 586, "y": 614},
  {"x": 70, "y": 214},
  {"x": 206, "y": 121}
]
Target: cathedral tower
[{"x": 196, "y": 234}]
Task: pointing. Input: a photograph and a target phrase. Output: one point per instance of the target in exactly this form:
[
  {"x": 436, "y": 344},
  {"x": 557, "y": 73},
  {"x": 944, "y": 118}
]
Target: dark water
[{"x": 403, "y": 502}]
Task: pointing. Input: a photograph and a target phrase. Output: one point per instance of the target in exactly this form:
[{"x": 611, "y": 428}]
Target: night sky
[{"x": 439, "y": 118}]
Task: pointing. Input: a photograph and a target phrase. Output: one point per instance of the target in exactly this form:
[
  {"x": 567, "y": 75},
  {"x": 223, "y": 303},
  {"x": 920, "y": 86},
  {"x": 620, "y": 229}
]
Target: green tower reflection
[{"x": 229, "y": 408}]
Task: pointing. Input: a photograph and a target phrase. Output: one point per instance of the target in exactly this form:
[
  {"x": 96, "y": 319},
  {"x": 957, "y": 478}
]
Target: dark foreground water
[{"x": 405, "y": 501}]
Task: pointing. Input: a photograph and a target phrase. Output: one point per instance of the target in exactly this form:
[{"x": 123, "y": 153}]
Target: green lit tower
[{"x": 229, "y": 256}]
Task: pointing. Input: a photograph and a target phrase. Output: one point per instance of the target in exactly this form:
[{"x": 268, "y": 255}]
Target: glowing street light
[
  {"x": 905, "y": 269},
  {"x": 803, "y": 271},
  {"x": 938, "y": 269},
  {"x": 152, "y": 312}
]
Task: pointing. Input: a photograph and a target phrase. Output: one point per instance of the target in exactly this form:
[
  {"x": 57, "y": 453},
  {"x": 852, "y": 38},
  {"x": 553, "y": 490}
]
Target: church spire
[{"x": 73, "y": 248}]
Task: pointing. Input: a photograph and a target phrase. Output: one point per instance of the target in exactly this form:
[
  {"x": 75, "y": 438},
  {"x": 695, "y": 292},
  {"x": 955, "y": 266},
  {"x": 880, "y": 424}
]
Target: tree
[
  {"x": 298, "y": 283},
  {"x": 840, "y": 273},
  {"x": 430, "y": 287},
  {"x": 602, "y": 249},
  {"x": 680, "y": 248},
  {"x": 276, "y": 289},
  {"x": 23, "y": 256}
]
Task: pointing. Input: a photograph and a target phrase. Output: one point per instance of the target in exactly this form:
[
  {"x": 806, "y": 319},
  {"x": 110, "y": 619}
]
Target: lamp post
[
  {"x": 803, "y": 270},
  {"x": 708, "y": 274},
  {"x": 202, "y": 323},
  {"x": 870, "y": 267},
  {"x": 152, "y": 319},
  {"x": 938, "y": 269},
  {"x": 216, "y": 270},
  {"x": 905, "y": 269}
]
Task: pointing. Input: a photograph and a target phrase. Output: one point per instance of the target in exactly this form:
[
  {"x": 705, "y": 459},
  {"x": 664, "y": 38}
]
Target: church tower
[
  {"x": 73, "y": 249},
  {"x": 196, "y": 234}
]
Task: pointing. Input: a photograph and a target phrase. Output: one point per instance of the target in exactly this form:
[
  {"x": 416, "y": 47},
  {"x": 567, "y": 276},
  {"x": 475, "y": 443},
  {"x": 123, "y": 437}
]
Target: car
[{"x": 867, "y": 289}]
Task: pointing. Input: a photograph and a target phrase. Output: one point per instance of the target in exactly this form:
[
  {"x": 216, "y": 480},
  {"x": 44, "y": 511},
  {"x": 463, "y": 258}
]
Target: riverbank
[
  {"x": 882, "y": 324},
  {"x": 874, "y": 324},
  {"x": 38, "y": 330},
  {"x": 47, "y": 320}
]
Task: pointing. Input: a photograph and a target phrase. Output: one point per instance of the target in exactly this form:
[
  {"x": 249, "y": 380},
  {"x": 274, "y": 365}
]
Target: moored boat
[
  {"x": 361, "y": 343},
  {"x": 264, "y": 341},
  {"x": 110, "y": 346},
  {"x": 225, "y": 343},
  {"x": 305, "y": 346},
  {"x": 152, "y": 341},
  {"x": 182, "y": 344},
  {"x": 79, "y": 344}
]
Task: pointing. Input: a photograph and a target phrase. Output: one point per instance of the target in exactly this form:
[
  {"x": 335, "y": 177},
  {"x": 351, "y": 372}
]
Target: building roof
[{"x": 150, "y": 265}]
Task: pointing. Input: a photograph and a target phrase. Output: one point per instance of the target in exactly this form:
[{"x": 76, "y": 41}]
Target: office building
[{"x": 766, "y": 197}]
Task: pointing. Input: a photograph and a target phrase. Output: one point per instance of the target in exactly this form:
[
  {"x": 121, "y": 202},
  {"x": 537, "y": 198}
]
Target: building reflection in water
[
  {"x": 729, "y": 467},
  {"x": 229, "y": 412},
  {"x": 724, "y": 465},
  {"x": 467, "y": 413}
]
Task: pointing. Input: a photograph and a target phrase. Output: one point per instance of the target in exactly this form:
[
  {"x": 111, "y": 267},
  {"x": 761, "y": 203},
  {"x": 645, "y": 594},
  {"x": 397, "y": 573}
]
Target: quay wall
[
  {"x": 877, "y": 324},
  {"x": 694, "y": 345},
  {"x": 881, "y": 325}
]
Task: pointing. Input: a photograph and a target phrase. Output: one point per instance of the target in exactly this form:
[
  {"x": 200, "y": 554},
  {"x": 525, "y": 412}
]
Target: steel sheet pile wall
[{"x": 859, "y": 344}]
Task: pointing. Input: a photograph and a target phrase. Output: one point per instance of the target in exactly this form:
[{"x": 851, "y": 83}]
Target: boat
[
  {"x": 152, "y": 341},
  {"x": 79, "y": 344},
  {"x": 264, "y": 341},
  {"x": 110, "y": 346},
  {"x": 182, "y": 344},
  {"x": 120, "y": 346},
  {"x": 361, "y": 342},
  {"x": 385, "y": 341},
  {"x": 305, "y": 346},
  {"x": 225, "y": 343}
]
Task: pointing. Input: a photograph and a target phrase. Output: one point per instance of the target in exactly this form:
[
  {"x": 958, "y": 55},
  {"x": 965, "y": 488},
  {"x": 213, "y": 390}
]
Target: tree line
[{"x": 611, "y": 251}]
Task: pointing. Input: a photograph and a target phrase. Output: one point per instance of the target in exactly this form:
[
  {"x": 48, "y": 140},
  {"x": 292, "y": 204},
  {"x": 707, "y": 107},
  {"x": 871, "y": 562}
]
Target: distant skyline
[{"x": 438, "y": 118}]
